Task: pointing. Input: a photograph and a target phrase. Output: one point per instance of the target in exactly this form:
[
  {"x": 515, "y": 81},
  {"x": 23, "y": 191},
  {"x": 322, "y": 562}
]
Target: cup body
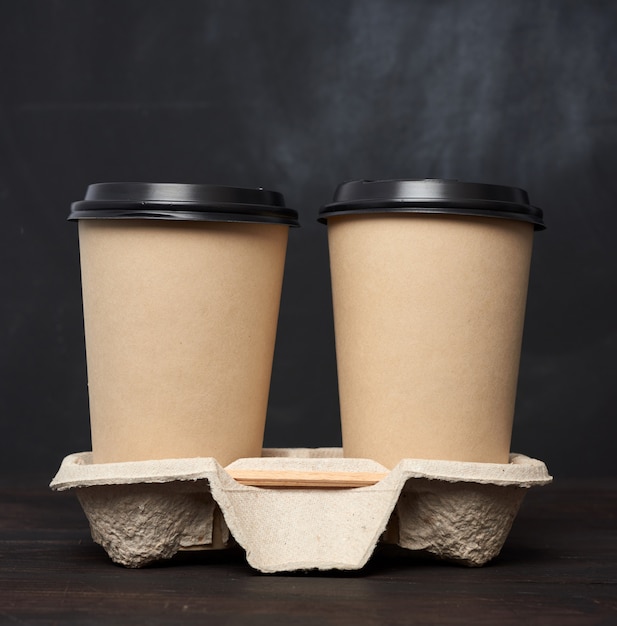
[
  {"x": 428, "y": 311},
  {"x": 180, "y": 319}
]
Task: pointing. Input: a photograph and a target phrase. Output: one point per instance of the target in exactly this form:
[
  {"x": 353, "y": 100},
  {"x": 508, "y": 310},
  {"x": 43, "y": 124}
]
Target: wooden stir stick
[{"x": 291, "y": 479}]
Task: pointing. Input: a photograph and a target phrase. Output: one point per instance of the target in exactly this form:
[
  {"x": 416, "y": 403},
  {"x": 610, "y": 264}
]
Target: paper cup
[
  {"x": 429, "y": 283},
  {"x": 181, "y": 289}
]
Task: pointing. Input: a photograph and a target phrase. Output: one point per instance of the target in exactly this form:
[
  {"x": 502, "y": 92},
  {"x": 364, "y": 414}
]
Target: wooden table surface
[{"x": 559, "y": 566}]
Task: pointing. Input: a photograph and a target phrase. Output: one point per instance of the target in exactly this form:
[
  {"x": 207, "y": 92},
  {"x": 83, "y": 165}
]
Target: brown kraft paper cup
[
  {"x": 181, "y": 299},
  {"x": 429, "y": 305}
]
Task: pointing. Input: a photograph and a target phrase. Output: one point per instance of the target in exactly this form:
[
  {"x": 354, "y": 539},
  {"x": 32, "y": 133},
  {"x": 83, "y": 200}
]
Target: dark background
[{"x": 298, "y": 96}]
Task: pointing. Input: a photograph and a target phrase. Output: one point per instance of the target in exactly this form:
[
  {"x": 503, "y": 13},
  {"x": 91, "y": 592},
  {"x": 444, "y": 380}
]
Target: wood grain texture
[{"x": 559, "y": 566}]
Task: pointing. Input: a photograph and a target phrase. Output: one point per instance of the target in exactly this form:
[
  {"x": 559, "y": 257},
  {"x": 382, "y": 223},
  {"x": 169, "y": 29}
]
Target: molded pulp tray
[{"x": 145, "y": 511}]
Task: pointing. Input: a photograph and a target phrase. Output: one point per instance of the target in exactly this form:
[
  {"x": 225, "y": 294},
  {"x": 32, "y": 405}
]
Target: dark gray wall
[{"x": 298, "y": 96}]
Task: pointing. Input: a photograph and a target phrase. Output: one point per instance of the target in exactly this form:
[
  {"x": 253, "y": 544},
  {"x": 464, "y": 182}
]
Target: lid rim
[
  {"x": 183, "y": 216},
  {"x": 462, "y": 212},
  {"x": 180, "y": 201},
  {"x": 432, "y": 196}
]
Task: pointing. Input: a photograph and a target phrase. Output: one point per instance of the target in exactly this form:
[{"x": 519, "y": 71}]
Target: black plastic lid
[
  {"x": 432, "y": 195},
  {"x": 178, "y": 201}
]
